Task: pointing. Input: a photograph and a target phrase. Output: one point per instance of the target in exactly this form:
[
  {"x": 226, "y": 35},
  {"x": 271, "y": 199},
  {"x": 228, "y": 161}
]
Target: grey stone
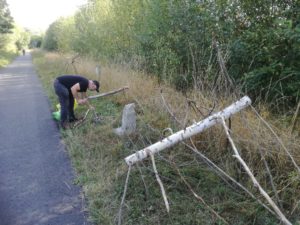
[{"x": 128, "y": 121}]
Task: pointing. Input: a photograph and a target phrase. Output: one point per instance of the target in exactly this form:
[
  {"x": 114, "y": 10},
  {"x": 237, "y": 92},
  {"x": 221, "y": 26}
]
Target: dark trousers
[{"x": 66, "y": 101}]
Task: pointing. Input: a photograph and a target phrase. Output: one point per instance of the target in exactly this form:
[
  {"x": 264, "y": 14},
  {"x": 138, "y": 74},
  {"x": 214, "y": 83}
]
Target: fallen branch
[
  {"x": 255, "y": 182},
  {"x": 163, "y": 192},
  {"x": 108, "y": 93},
  {"x": 80, "y": 121},
  {"x": 188, "y": 132}
]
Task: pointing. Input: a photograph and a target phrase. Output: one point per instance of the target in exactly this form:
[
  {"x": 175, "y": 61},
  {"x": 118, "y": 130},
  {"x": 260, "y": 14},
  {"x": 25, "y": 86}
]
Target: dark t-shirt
[{"x": 69, "y": 80}]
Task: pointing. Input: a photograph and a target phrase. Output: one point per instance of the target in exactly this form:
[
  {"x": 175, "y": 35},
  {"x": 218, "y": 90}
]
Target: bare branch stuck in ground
[
  {"x": 254, "y": 180},
  {"x": 123, "y": 197},
  {"x": 163, "y": 192}
]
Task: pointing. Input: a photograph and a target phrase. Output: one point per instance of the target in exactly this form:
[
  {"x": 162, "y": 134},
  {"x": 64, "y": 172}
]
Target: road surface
[{"x": 36, "y": 177}]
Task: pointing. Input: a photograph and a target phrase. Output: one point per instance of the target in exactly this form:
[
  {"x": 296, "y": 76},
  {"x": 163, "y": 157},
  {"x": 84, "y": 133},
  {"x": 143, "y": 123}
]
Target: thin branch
[
  {"x": 278, "y": 139},
  {"x": 223, "y": 174},
  {"x": 295, "y": 117},
  {"x": 197, "y": 196},
  {"x": 123, "y": 197},
  {"x": 169, "y": 110},
  {"x": 80, "y": 122},
  {"x": 255, "y": 182},
  {"x": 196, "y": 108},
  {"x": 296, "y": 206},
  {"x": 254, "y": 137},
  {"x": 160, "y": 184},
  {"x": 144, "y": 182},
  {"x": 271, "y": 179}
]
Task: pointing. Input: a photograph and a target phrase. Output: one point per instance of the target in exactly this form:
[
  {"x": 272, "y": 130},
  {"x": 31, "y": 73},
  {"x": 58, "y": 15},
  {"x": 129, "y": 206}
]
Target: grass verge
[
  {"x": 98, "y": 155},
  {"x": 6, "y": 57}
]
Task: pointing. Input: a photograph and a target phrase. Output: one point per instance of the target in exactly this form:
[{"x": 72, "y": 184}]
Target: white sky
[{"x": 39, "y": 14}]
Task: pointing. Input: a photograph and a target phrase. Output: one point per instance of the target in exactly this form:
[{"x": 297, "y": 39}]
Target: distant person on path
[
  {"x": 23, "y": 51},
  {"x": 68, "y": 88}
]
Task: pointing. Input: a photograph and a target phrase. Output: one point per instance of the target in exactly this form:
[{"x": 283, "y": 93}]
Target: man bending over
[{"x": 68, "y": 88}]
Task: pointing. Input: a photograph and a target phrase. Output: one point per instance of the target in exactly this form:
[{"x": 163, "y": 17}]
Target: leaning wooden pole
[
  {"x": 189, "y": 131},
  {"x": 108, "y": 93}
]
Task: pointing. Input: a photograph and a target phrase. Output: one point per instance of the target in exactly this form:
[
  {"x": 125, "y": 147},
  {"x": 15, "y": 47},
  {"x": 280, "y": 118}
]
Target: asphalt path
[{"x": 36, "y": 177}]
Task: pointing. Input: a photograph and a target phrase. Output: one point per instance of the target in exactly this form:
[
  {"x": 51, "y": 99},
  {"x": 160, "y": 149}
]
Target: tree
[{"x": 6, "y": 21}]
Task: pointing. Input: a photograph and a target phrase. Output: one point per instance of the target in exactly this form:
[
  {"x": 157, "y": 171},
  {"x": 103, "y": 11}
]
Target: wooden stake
[{"x": 108, "y": 93}]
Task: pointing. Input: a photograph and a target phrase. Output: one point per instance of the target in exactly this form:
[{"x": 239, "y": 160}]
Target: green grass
[
  {"x": 98, "y": 156},
  {"x": 6, "y": 57}
]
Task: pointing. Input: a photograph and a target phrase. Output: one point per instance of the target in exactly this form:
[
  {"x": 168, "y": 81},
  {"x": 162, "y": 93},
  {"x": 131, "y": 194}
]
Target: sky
[{"x": 37, "y": 15}]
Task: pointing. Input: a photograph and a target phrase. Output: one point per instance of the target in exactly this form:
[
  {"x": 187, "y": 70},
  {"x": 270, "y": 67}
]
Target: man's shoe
[
  {"x": 73, "y": 119},
  {"x": 64, "y": 125}
]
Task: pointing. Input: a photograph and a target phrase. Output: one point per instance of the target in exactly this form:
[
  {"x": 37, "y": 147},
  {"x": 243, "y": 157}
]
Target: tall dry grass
[{"x": 159, "y": 106}]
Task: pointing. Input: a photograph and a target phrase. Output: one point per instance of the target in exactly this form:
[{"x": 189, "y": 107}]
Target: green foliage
[
  {"x": 12, "y": 42},
  {"x": 60, "y": 35},
  {"x": 35, "y": 41},
  {"x": 98, "y": 156},
  {"x": 22, "y": 38},
  {"x": 177, "y": 41},
  {"x": 6, "y": 21},
  {"x": 6, "y": 56},
  {"x": 50, "y": 39},
  {"x": 266, "y": 58}
]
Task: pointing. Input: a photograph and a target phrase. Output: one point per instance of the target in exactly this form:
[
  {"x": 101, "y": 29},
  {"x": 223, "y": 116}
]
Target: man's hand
[{"x": 82, "y": 101}]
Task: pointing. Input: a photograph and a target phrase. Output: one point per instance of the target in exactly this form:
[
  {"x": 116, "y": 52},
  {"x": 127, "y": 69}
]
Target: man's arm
[
  {"x": 87, "y": 101},
  {"x": 75, "y": 89}
]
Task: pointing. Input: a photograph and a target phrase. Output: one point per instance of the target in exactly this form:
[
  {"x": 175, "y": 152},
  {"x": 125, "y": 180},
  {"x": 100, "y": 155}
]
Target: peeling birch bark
[{"x": 189, "y": 131}]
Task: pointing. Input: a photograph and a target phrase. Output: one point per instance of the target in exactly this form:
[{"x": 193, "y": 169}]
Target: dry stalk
[
  {"x": 160, "y": 184},
  {"x": 224, "y": 175},
  {"x": 278, "y": 139},
  {"x": 194, "y": 106},
  {"x": 296, "y": 206},
  {"x": 255, "y": 182},
  {"x": 197, "y": 196},
  {"x": 295, "y": 117},
  {"x": 123, "y": 197},
  {"x": 169, "y": 110},
  {"x": 144, "y": 182},
  {"x": 271, "y": 179},
  {"x": 73, "y": 62},
  {"x": 80, "y": 122},
  {"x": 254, "y": 136}
]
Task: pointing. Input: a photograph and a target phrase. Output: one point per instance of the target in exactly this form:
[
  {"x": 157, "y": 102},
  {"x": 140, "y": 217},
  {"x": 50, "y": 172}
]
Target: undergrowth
[
  {"x": 98, "y": 154},
  {"x": 6, "y": 56}
]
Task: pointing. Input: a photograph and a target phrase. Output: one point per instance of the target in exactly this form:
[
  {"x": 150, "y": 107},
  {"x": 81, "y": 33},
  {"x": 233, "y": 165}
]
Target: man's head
[{"x": 94, "y": 85}]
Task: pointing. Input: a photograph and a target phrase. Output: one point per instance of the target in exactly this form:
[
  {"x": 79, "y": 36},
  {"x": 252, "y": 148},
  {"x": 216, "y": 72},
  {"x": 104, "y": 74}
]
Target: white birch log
[{"x": 189, "y": 131}]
